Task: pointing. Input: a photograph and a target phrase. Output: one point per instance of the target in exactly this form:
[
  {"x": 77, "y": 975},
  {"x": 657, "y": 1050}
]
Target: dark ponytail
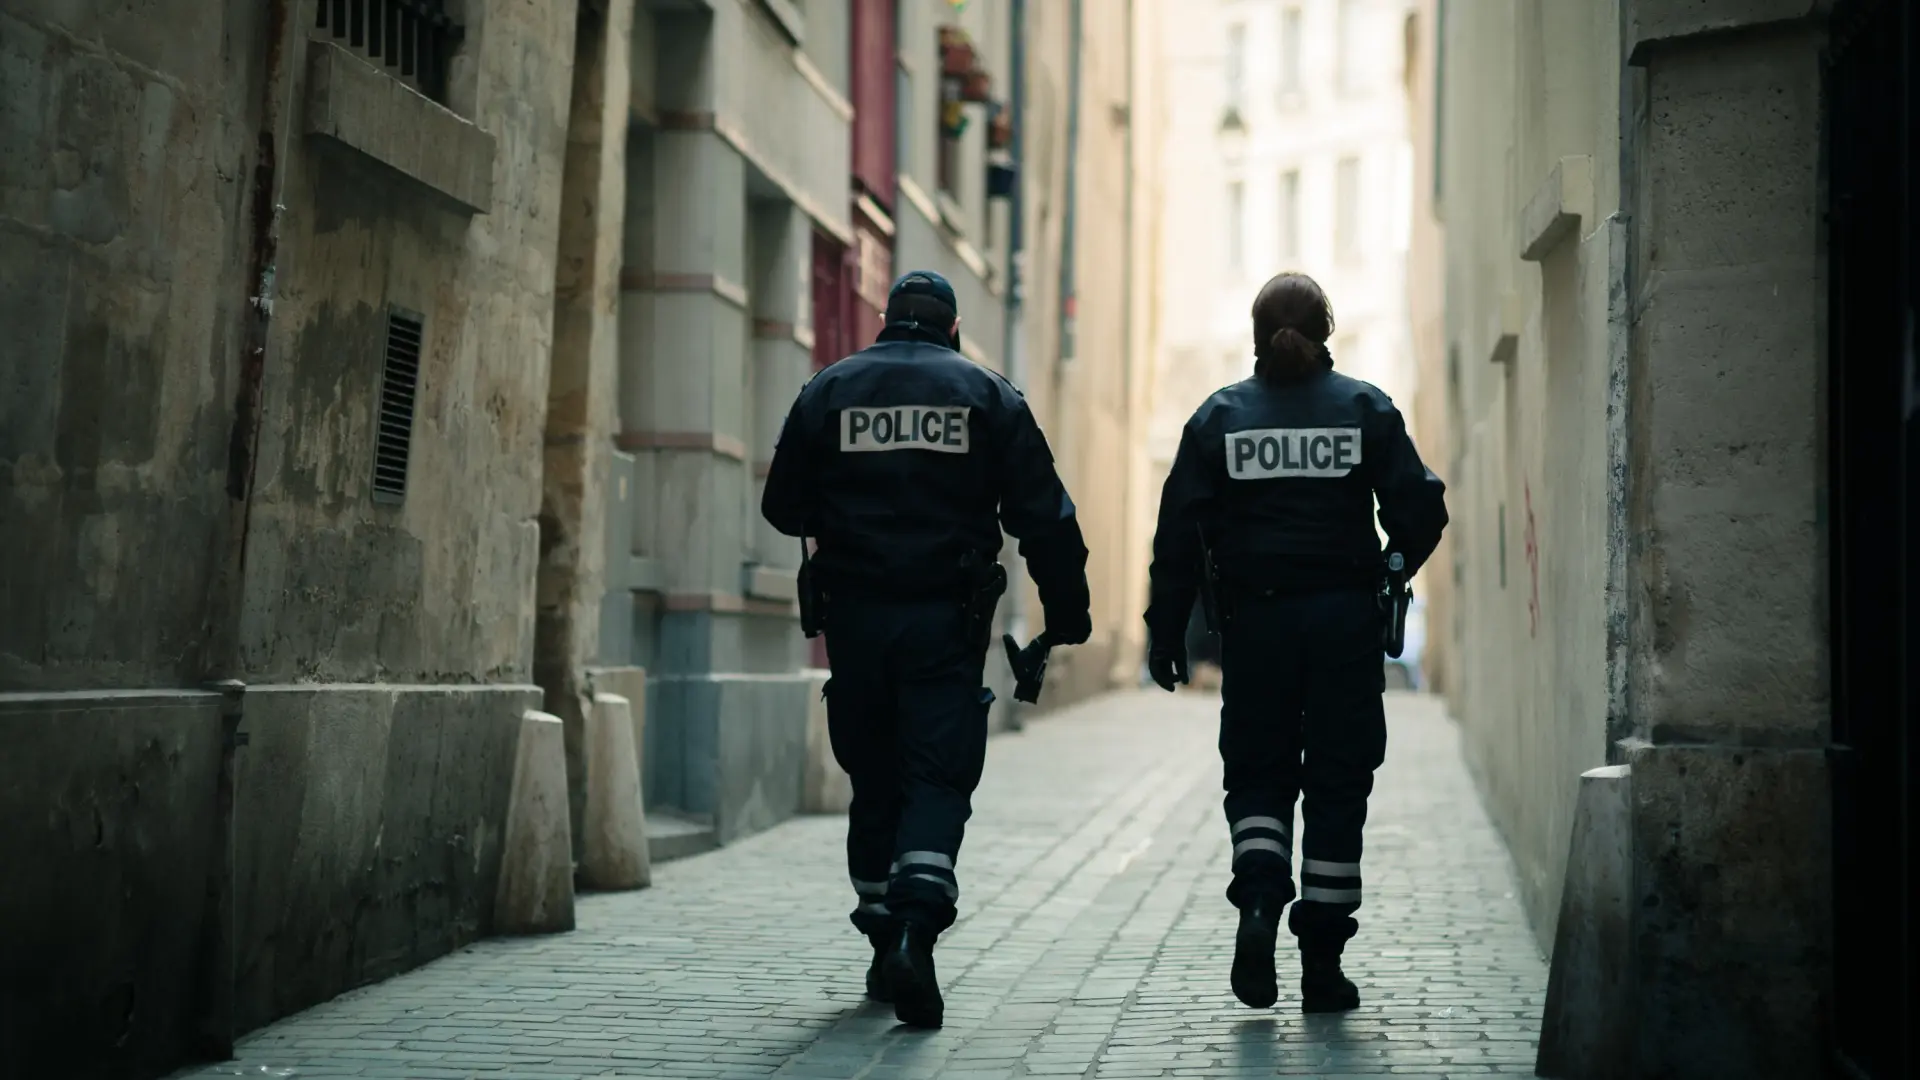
[{"x": 1292, "y": 320}]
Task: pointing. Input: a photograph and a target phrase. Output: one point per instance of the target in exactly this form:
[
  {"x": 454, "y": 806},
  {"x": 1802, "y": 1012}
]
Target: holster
[
  {"x": 1210, "y": 609},
  {"x": 1395, "y": 598},
  {"x": 813, "y": 602},
  {"x": 984, "y": 582}
]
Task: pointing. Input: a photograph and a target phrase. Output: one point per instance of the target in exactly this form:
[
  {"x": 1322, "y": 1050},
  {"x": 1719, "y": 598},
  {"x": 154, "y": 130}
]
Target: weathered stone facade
[
  {"x": 209, "y": 216},
  {"x": 1634, "y": 291},
  {"x": 350, "y": 411}
]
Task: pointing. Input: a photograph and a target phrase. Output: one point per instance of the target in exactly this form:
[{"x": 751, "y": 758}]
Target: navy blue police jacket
[
  {"x": 905, "y": 456},
  {"x": 1279, "y": 480}
]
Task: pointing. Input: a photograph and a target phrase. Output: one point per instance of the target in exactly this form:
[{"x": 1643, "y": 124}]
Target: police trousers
[
  {"x": 1301, "y": 717},
  {"x": 907, "y": 716}
]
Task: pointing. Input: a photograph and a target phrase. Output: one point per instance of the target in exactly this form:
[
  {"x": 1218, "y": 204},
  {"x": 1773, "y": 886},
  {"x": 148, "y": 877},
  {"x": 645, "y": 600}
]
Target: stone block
[
  {"x": 536, "y": 871},
  {"x": 367, "y": 836},
  {"x": 615, "y": 849},
  {"x": 629, "y": 683},
  {"x": 359, "y": 106},
  {"x": 1652, "y": 23},
  {"x": 827, "y": 789},
  {"x": 742, "y": 747},
  {"x": 1584, "y": 1032},
  {"x": 1731, "y": 893},
  {"x": 1555, "y": 211},
  {"x": 108, "y": 800}
]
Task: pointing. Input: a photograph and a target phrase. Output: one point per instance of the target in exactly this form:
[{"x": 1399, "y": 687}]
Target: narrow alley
[{"x": 1094, "y": 941}]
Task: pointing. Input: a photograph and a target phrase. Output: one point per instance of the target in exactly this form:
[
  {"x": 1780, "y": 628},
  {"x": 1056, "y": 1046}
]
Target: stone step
[{"x": 674, "y": 835}]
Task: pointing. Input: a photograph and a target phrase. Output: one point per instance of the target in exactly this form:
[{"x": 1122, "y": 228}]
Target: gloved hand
[
  {"x": 1069, "y": 629},
  {"x": 1168, "y": 667}
]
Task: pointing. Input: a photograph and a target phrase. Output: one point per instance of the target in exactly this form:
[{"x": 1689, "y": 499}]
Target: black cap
[{"x": 922, "y": 283}]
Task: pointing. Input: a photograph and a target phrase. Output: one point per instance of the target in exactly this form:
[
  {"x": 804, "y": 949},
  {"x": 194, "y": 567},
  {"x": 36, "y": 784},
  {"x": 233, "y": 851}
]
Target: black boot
[
  {"x": 910, "y": 978},
  {"x": 1253, "y": 979},
  {"x": 877, "y": 974},
  {"x": 1323, "y": 988}
]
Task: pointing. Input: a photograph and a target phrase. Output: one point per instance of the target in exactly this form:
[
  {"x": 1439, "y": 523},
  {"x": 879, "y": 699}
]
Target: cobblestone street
[{"x": 1094, "y": 941}]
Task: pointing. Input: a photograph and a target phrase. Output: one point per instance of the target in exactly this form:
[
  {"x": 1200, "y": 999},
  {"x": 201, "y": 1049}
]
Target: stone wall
[
  {"x": 1635, "y": 286},
  {"x": 1527, "y": 309},
  {"x": 128, "y": 147},
  {"x": 208, "y": 211}
]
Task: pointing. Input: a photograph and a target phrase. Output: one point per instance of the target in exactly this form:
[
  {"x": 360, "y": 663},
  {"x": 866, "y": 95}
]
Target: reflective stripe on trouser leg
[
  {"x": 1259, "y": 838},
  {"x": 1325, "y": 882},
  {"x": 925, "y": 875},
  {"x": 872, "y": 899}
]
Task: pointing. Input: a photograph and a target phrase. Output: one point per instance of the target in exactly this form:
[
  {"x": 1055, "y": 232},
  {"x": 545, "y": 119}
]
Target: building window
[
  {"x": 1290, "y": 214},
  {"x": 1236, "y": 65},
  {"x": 903, "y": 114},
  {"x": 1290, "y": 47},
  {"x": 412, "y": 40},
  {"x": 953, "y": 121},
  {"x": 1236, "y": 228},
  {"x": 1347, "y": 45},
  {"x": 1346, "y": 211}
]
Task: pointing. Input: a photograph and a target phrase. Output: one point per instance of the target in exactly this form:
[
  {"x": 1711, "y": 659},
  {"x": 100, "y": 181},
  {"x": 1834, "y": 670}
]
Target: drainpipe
[
  {"x": 1010, "y": 347},
  {"x": 1132, "y": 363},
  {"x": 1067, "y": 300}
]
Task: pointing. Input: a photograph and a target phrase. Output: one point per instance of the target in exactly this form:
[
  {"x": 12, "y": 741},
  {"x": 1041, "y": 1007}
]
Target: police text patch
[
  {"x": 1282, "y": 452},
  {"x": 905, "y": 427}
]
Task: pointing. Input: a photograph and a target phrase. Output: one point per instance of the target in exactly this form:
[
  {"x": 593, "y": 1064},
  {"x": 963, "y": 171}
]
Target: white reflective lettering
[
  {"x": 940, "y": 428},
  {"x": 1271, "y": 453}
]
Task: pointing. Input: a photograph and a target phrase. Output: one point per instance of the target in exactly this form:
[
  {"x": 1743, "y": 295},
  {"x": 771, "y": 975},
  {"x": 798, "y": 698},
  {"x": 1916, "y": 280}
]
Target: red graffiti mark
[{"x": 1533, "y": 566}]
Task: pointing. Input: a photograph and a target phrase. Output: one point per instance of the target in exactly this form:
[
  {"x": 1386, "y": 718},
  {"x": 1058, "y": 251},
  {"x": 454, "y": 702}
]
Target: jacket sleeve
[
  {"x": 1036, "y": 511},
  {"x": 1413, "y": 505},
  {"x": 1188, "y": 501},
  {"x": 787, "y": 501}
]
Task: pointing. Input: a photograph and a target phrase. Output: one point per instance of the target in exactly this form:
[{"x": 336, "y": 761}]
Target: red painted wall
[{"x": 874, "y": 69}]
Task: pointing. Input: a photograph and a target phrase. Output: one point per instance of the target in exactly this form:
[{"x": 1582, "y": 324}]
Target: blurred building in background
[{"x": 1285, "y": 148}]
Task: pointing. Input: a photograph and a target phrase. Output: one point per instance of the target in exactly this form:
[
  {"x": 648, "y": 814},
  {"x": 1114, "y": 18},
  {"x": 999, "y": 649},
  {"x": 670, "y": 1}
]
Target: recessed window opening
[{"x": 412, "y": 40}]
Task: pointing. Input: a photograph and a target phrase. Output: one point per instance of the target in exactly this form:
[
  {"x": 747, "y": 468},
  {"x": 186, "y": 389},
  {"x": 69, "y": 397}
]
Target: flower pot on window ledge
[
  {"x": 976, "y": 87},
  {"x": 1000, "y": 128}
]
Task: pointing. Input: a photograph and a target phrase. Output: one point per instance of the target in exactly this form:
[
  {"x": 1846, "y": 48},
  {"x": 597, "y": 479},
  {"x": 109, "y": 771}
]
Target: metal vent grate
[{"x": 399, "y": 383}]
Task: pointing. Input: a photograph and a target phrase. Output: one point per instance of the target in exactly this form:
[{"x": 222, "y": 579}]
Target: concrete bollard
[
  {"x": 1584, "y": 1026},
  {"x": 615, "y": 844},
  {"x": 535, "y": 894},
  {"x": 825, "y": 789}
]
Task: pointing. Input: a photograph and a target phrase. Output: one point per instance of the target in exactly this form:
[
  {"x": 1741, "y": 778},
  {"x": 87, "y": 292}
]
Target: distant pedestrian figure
[
  {"x": 904, "y": 462},
  {"x": 1271, "y": 497}
]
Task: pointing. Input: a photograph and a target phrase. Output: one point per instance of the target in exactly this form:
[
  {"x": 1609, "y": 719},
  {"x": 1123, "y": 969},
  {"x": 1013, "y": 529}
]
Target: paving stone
[{"x": 1094, "y": 940}]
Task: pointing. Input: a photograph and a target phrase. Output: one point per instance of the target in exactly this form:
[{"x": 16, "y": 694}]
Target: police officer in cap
[
  {"x": 1272, "y": 496},
  {"x": 904, "y": 462}
]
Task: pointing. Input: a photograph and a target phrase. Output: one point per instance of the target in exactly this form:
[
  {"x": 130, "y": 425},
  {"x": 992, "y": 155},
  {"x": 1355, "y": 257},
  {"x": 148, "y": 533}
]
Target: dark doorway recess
[{"x": 1874, "y": 393}]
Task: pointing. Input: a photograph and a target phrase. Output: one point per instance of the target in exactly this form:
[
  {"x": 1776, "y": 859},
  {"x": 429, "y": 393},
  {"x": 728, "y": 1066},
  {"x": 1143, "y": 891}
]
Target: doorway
[{"x": 1873, "y": 392}]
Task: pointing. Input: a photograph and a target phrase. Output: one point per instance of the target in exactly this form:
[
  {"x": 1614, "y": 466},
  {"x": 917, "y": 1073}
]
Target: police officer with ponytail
[
  {"x": 903, "y": 463},
  {"x": 1271, "y": 502}
]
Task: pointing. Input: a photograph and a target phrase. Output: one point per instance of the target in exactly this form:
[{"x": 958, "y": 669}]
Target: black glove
[
  {"x": 1072, "y": 629},
  {"x": 1168, "y": 667}
]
